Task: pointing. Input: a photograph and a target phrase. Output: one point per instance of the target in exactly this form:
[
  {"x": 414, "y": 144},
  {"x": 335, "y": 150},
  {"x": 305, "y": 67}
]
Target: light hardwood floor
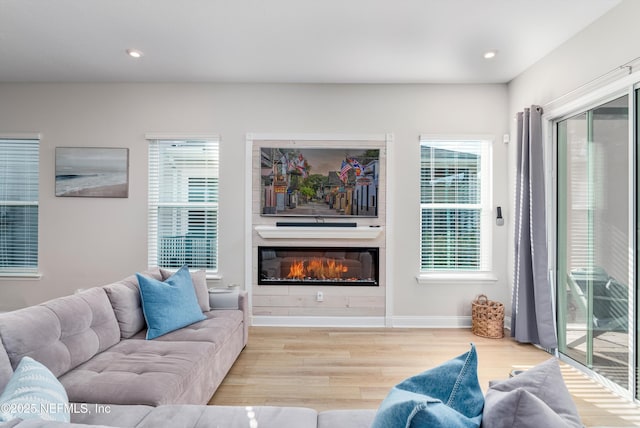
[{"x": 344, "y": 368}]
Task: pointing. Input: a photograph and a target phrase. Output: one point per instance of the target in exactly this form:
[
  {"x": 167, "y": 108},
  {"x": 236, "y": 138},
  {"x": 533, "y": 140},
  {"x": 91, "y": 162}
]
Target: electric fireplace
[{"x": 340, "y": 266}]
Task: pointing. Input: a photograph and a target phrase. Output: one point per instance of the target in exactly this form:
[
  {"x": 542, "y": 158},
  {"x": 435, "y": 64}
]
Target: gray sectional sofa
[{"x": 94, "y": 343}]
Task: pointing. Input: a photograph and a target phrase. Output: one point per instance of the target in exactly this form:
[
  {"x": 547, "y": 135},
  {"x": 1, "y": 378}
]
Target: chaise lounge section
[{"x": 193, "y": 416}]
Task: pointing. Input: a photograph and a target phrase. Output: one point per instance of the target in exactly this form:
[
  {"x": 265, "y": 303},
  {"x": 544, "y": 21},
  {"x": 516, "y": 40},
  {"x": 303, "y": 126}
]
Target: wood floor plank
[{"x": 354, "y": 368}]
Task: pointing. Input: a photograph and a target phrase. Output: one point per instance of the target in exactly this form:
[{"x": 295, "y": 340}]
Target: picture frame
[{"x": 92, "y": 172}]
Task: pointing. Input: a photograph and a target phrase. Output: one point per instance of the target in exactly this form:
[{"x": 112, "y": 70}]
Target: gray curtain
[{"x": 532, "y": 316}]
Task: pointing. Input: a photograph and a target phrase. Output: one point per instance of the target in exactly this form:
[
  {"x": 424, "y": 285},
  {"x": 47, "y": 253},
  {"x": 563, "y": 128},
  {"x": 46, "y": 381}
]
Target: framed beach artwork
[{"x": 93, "y": 172}]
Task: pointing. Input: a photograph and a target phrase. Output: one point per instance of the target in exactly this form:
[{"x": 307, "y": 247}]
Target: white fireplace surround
[
  {"x": 323, "y": 232},
  {"x": 367, "y": 230}
]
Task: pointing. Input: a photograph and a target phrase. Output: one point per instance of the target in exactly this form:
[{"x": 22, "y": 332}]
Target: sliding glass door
[{"x": 595, "y": 231}]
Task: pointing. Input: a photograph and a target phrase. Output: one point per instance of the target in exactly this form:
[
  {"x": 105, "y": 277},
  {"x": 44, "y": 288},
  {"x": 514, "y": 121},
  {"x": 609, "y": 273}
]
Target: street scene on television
[{"x": 319, "y": 182}]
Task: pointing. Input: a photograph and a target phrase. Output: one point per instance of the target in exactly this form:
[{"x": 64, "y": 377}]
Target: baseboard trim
[
  {"x": 372, "y": 322},
  {"x": 438, "y": 322},
  {"x": 273, "y": 321},
  {"x": 431, "y": 322},
  {"x": 396, "y": 322}
]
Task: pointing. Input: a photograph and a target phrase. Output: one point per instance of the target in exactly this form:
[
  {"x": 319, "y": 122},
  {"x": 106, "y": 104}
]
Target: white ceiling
[{"x": 310, "y": 41}]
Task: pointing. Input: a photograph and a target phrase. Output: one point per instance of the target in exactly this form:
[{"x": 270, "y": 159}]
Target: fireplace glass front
[{"x": 341, "y": 266}]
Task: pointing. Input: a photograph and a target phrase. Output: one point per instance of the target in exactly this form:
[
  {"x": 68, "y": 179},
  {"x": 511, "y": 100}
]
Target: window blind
[
  {"x": 454, "y": 202},
  {"x": 183, "y": 204},
  {"x": 19, "y": 181}
]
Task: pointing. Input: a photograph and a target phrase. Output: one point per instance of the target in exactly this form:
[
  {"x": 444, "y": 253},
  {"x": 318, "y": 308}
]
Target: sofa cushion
[
  {"x": 113, "y": 415},
  {"x": 199, "y": 279},
  {"x": 37, "y": 423},
  {"x": 125, "y": 300},
  {"x": 215, "y": 329},
  {"x": 362, "y": 418},
  {"x": 537, "y": 397},
  {"x": 230, "y": 417},
  {"x": 34, "y": 393},
  {"x": 169, "y": 305},
  {"x": 6, "y": 371},
  {"x": 61, "y": 333},
  {"x": 191, "y": 416},
  {"x": 448, "y": 395},
  {"x": 146, "y": 372}
]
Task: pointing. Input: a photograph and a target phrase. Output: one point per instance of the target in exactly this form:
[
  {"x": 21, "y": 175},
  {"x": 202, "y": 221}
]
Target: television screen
[{"x": 319, "y": 182}]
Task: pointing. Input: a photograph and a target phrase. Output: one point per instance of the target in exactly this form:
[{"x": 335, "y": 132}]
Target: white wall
[
  {"x": 86, "y": 242},
  {"x": 569, "y": 71},
  {"x": 605, "y": 45}
]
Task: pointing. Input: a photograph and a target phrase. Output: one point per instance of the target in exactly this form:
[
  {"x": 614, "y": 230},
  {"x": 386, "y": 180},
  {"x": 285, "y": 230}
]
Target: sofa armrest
[{"x": 226, "y": 299}]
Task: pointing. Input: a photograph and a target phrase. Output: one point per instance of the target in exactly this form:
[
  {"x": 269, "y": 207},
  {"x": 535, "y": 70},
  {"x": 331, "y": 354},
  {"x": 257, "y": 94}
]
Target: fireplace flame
[
  {"x": 296, "y": 271},
  {"x": 317, "y": 268}
]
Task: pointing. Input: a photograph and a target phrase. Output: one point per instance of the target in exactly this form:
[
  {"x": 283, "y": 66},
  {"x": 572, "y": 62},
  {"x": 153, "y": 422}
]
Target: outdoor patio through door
[{"x": 595, "y": 231}]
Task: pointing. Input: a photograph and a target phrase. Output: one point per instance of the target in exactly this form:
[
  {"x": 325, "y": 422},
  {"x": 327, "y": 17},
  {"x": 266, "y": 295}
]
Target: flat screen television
[{"x": 319, "y": 182}]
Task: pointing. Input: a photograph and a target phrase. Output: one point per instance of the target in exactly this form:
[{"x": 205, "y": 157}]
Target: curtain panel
[{"x": 532, "y": 317}]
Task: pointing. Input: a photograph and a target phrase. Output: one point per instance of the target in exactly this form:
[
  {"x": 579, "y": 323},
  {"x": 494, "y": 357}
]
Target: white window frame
[
  {"x": 24, "y": 272},
  {"x": 485, "y": 271},
  {"x": 154, "y": 203}
]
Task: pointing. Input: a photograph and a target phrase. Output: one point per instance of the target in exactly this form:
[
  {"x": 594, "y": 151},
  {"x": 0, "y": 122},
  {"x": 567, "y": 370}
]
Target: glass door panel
[{"x": 594, "y": 264}]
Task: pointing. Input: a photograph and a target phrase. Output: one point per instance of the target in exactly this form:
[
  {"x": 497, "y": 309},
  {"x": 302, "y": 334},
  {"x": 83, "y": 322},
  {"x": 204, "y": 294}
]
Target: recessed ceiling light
[
  {"x": 490, "y": 54},
  {"x": 134, "y": 53}
]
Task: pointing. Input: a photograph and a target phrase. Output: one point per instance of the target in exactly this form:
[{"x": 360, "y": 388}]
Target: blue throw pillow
[
  {"x": 33, "y": 392},
  {"x": 169, "y": 305},
  {"x": 446, "y": 396}
]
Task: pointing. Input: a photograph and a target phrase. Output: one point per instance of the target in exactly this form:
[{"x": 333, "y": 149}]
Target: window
[
  {"x": 19, "y": 180},
  {"x": 455, "y": 185},
  {"x": 183, "y": 203}
]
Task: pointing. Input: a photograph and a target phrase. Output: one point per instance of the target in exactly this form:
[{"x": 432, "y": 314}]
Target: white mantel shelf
[{"x": 323, "y": 232}]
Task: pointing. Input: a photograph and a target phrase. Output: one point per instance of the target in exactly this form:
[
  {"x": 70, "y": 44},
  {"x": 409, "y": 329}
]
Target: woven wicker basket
[{"x": 487, "y": 318}]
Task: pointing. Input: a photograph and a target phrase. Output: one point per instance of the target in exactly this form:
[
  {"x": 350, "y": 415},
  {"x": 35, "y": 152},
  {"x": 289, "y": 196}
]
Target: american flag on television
[{"x": 344, "y": 169}]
